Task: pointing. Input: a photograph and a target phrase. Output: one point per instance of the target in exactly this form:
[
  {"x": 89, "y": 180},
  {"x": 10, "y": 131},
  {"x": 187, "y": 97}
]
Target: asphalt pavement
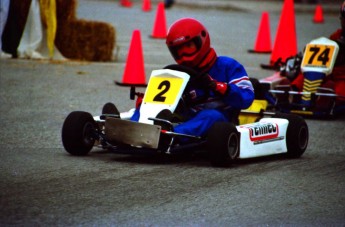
[{"x": 42, "y": 185}]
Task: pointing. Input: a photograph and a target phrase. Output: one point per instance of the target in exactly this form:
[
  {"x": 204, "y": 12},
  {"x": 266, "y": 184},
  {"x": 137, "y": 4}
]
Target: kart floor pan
[{"x": 132, "y": 133}]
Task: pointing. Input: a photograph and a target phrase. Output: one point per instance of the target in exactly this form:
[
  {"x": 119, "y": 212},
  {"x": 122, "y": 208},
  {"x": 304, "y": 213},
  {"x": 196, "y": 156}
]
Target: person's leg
[
  {"x": 4, "y": 8},
  {"x": 200, "y": 124}
]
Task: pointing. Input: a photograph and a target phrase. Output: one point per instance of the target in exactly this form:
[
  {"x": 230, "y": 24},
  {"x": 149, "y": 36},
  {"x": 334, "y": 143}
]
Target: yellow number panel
[
  {"x": 318, "y": 55},
  {"x": 163, "y": 90}
]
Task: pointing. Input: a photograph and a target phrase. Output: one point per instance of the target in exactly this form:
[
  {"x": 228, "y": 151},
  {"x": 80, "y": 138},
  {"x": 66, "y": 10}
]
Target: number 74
[{"x": 318, "y": 55}]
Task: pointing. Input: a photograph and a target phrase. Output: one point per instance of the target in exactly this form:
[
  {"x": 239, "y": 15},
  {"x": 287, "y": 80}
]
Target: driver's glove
[{"x": 218, "y": 87}]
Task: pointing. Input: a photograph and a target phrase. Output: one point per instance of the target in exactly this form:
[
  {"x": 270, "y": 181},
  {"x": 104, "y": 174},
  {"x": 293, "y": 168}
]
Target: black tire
[
  {"x": 297, "y": 135},
  {"x": 110, "y": 108},
  {"x": 78, "y": 133},
  {"x": 223, "y": 144}
]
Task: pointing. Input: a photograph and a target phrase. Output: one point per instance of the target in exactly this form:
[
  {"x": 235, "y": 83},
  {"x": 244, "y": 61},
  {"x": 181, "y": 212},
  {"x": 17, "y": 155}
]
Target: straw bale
[
  {"x": 86, "y": 40},
  {"x": 83, "y": 39},
  {"x": 66, "y": 10}
]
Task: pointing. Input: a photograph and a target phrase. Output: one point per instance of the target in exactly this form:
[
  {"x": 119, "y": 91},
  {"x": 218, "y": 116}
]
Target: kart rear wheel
[
  {"x": 223, "y": 144},
  {"x": 297, "y": 135},
  {"x": 78, "y": 133}
]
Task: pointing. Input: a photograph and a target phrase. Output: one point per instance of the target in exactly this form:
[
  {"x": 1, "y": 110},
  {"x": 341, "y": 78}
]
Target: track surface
[{"x": 40, "y": 184}]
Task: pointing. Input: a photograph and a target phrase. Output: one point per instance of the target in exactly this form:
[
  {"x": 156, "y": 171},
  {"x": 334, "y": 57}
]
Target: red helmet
[{"x": 184, "y": 33}]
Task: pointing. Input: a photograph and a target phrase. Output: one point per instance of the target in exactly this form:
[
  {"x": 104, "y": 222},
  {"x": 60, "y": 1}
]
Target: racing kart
[
  {"x": 224, "y": 143},
  {"x": 314, "y": 99}
]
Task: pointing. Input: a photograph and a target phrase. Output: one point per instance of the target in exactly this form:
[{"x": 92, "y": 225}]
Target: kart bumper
[{"x": 132, "y": 133}]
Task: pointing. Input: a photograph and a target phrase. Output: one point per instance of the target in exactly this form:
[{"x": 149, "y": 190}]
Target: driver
[
  {"x": 219, "y": 86},
  {"x": 339, "y": 36},
  {"x": 338, "y": 75}
]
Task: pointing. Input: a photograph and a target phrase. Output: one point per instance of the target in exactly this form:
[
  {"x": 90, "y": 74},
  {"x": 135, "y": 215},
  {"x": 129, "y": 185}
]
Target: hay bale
[
  {"x": 82, "y": 39},
  {"x": 66, "y": 10},
  {"x": 86, "y": 40}
]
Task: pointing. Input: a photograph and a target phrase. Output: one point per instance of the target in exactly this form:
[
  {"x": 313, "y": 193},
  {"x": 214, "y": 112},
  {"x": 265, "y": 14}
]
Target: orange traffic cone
[
  {"x": 146, "y": 5},
  {"x": 263, "y": 39},
  {"x": 134, "y": 74},
  {"x": 318, "y": 15},
  {"x": 285, "y": 44},
  {"x": 126, "y": 3},
  {"x": 160, "y": 25}
]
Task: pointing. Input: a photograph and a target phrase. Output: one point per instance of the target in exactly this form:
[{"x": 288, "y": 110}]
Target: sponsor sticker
[{"x": 263, "y": 132}]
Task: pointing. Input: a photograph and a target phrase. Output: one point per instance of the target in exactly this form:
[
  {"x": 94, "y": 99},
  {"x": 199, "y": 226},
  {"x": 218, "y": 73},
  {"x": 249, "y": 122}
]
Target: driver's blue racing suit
[{"x": 206, "y": 107}]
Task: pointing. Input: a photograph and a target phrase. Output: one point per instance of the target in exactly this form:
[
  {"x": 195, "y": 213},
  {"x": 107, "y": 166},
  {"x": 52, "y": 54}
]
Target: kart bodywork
[
  {"x": 225, "y": 141},
  {"x": 314, "y": 99}
]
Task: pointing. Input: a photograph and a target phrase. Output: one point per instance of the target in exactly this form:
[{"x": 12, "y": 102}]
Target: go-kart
[
  {"x": 314, "y": 99},
  {"x": 225, "y": 142}
]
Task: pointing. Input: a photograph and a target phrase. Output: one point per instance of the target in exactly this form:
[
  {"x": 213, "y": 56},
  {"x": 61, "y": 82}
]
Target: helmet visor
[{"x": 187, "y": 49}]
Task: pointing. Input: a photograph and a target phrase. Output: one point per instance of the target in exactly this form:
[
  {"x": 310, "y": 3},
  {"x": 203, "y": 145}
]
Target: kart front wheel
[
  {"x": 297, "y": 135},
  {"x": 78, "y": 133},
  {"x": 223, "y": 144}
]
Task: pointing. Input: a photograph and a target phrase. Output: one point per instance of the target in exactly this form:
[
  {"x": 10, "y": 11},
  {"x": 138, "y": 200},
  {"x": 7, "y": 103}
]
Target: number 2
[{"x": 165, "y": 85}]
